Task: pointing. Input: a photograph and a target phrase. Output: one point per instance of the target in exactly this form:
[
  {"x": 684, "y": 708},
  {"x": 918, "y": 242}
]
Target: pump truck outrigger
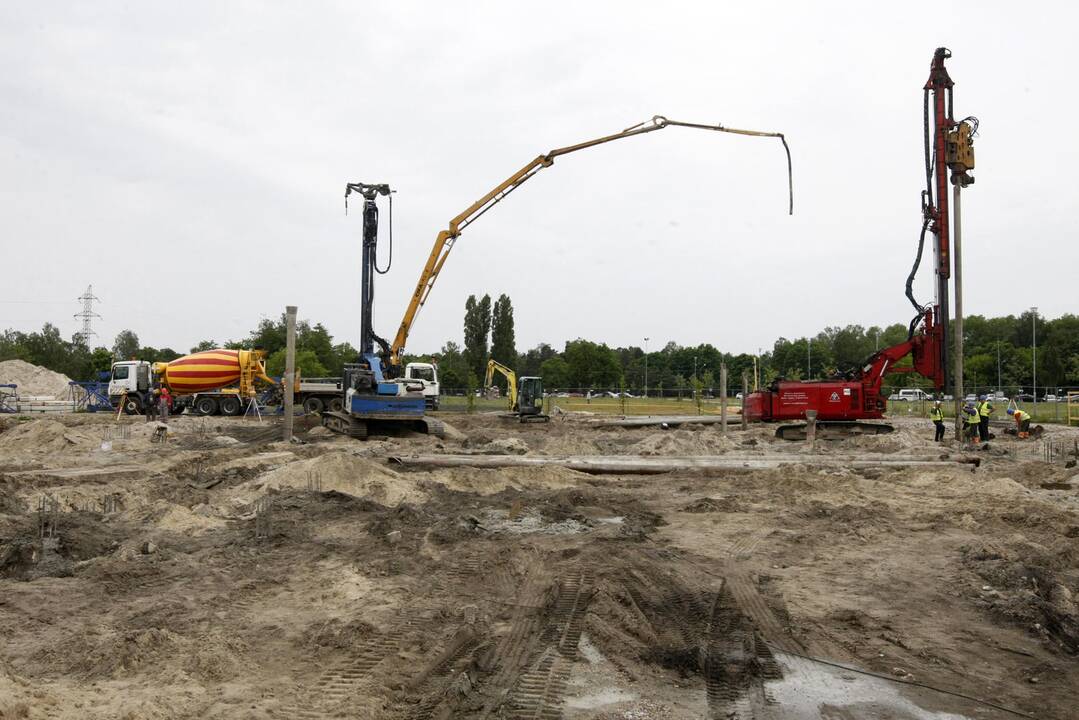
[
  {"x": 841, "y": 403},
  {"x": 374, "y": 395}
]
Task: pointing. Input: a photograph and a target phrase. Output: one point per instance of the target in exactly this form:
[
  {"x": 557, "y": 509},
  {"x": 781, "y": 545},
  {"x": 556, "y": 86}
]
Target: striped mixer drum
[{"x": 209, "y": 370}]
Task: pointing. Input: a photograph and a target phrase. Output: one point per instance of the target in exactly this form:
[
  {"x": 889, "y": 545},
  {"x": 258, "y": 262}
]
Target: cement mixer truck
[{"x": 210, "y": 382}]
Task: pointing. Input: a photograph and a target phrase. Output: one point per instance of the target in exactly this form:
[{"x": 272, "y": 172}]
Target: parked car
[
  {"x": 1051, "y": 398},
  {"x": 971, "y": 398},
  {"x": 1024, "y": 397},
  {"x": 908, "y": 394}
]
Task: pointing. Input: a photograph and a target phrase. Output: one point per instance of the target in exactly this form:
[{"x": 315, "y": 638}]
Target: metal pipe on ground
[{"x": 620, "y": 464}]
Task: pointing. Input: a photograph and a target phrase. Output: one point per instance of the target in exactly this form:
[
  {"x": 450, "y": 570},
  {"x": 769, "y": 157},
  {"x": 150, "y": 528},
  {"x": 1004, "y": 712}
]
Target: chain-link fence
[
  {"x": 613, "y": 402},
  {"x": 1051, "y": 405}
]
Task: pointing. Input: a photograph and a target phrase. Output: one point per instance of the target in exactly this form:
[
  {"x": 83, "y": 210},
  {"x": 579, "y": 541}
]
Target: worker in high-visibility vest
[
  {"x": 936, "y": 414},
  {"x": 985, "y": 410},
  {"x": 972, "y": 419},
  {"x": 1022, "y": 422}
]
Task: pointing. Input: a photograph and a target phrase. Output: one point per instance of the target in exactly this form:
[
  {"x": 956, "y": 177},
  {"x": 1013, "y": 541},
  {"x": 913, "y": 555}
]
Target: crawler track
[
  {"x": 340, "y": 680},
  {"x": 537, "y": 693}
]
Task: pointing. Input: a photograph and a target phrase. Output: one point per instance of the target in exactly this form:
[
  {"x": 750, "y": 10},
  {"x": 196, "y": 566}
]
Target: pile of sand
[
  {"x": 34, "y": 380},
  {"x": 340, "y": 471},
  {"x": 40, "y": 436},
  {"x": 682, "y": 442},
  {"x": 177, "y": 518},
  {"x": 490, "y": 481}
]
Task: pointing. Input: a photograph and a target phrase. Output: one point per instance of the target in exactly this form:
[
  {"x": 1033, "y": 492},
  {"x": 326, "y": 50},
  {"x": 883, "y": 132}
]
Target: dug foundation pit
[{"x": 232, "y": 575}]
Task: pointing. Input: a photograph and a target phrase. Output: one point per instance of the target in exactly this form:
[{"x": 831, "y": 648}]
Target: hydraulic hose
[{"x": 910, "y": 280}]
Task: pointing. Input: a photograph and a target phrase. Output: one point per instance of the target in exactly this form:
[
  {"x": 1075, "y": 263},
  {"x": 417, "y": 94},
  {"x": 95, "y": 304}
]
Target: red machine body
[{"x": 857, "y": 397}]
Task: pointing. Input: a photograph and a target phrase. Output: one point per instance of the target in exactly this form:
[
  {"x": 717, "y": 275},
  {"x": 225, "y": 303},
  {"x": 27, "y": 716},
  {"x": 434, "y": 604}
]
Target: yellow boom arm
[
  {"x": 445, "y": 240},
  {"x": 511, "y": 381}
]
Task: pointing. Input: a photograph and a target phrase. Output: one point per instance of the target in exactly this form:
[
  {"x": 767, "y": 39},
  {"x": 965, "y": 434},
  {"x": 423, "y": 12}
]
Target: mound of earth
[
  {"x": 34, "y": 380},
  {"x": 39, "y": 436},
  {"x": 340, "y": 471}
]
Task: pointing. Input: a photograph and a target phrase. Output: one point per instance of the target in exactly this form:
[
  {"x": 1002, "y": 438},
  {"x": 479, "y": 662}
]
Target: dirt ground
[{"x": 225, "y": 574}]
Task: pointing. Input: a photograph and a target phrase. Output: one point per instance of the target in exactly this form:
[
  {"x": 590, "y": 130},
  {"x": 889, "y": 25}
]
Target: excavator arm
[
  {"x": 445, "y": 240},
  {"x": 511, "y": 380}
]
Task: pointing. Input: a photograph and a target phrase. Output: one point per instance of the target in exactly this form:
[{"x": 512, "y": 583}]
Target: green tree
[
  {"x": 453, "y": 370},
  {"x": 708, "y": 382},
  {"x": 204, "y": 346},
  {"x": 307, "y": 363},
  {"x": 591, "y": 365},
  {"x": 477, "y": 328},
  {"x": 126, "y": 345},
  {"x": 1051, "y": 367},
  {"x": 503, "y": 341},
  {"x": 529, "y": 363},
  {"x": 100, "y": 361},
  {"x": 555, "y": 373},
  {"x": 503, "y": 345}
]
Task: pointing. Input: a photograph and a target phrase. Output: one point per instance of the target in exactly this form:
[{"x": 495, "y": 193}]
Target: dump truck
[{"x": 210, "y": 383}]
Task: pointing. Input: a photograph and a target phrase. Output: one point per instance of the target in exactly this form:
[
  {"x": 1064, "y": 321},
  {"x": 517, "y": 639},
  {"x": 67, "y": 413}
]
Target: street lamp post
[
  {"x": 646, "y": 367},
  {"x": 1034, "y": 358},
  {"x": 998, "y": 366},
  {"x": 694, "y": 377},
  {"x": 809, "y": 358}
]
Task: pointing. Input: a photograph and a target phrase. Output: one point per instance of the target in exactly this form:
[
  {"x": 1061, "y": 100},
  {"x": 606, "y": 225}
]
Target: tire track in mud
[
  {"x": 537, "y": 692},
  {"x": 436, "y": 683},
  {"x": 709, "y": 632},
  {"x": 744, "y": 545},
  {"x": 341, "y": 679},
  {"x": 734, "y": 677}
]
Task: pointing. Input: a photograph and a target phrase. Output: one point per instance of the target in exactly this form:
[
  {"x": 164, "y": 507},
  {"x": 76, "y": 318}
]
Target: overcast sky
[{"x": 189, "y": 160}]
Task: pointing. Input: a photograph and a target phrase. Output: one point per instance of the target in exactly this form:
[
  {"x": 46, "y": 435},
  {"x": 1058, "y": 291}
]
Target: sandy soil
[
  {"x": 226, "y": 574},
  {"x": 34, "y": 380}
]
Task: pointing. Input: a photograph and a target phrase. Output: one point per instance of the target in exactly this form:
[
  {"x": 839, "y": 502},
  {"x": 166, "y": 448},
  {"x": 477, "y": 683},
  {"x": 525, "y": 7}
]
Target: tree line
[{"x": 997, "y": 350}]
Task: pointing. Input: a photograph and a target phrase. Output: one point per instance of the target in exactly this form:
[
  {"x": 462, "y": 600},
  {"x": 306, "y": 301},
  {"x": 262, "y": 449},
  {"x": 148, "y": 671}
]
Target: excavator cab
[{"x": 530, "y": 398}]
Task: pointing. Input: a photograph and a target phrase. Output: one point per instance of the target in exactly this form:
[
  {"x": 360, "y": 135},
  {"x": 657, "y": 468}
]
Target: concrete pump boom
[{"x": 445, "y": 240}]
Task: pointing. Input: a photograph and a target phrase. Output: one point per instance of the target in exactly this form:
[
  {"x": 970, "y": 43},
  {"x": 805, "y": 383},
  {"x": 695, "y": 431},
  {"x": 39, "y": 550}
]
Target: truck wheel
[
  {"x": 336, "y": 405},
  {"x": 230, "y": 406},
  {"x": 132, "y": 406},
  {"x": 313, "y": 405},
  {"x": 206, "y": 406}
]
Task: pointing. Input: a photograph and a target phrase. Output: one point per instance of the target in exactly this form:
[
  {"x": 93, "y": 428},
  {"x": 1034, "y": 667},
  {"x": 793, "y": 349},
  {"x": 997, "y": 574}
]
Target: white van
[{"x": 911, "y": 394}]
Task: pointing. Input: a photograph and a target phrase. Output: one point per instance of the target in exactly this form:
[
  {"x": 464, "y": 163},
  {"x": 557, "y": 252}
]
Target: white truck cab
[
  {"x": 427, "y": 374},
  {"x": 133, "y": 379},
  {"x": 913, "y": 394}
]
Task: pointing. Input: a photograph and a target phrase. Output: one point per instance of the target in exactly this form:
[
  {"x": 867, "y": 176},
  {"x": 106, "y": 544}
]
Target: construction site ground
[{"x": 223, "y": 573}]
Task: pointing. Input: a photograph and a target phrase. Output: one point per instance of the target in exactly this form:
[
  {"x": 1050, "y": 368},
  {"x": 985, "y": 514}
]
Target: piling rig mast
[{"x": 842, "y": 402}]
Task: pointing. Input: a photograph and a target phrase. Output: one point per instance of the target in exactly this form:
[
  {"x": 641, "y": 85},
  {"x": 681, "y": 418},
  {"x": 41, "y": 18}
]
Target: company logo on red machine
[{"x": 834, "y": 397}]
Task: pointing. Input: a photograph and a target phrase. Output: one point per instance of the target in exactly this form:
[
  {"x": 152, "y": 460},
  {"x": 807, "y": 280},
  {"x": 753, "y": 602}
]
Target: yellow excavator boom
[
  {"x": 511, "y": 381},
  {"x": 446, "y": 238}
]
